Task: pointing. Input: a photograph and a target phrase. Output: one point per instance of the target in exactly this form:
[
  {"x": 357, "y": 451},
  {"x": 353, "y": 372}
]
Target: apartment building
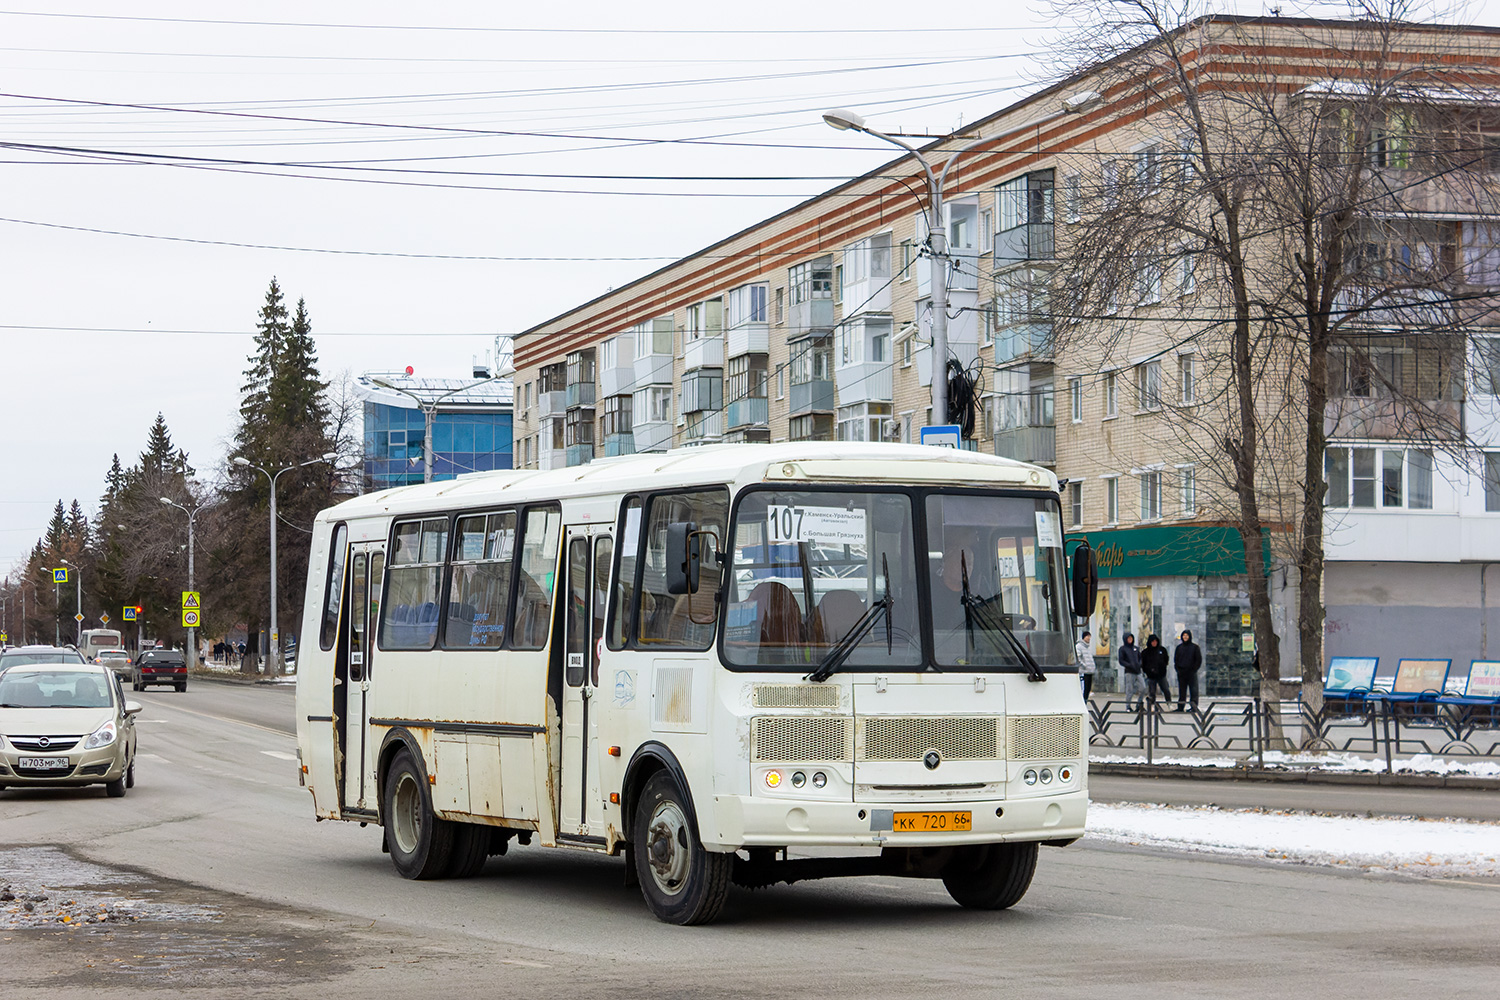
[{"x": 816, "y": 324}]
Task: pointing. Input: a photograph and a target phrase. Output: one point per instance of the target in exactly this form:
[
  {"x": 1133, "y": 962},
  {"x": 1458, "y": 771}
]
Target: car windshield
[
  {"x": 812, "y": 571},
  {"x": 163, "y": 657},
  {"x": 809, "y": 566},
  {"x": 113, "y": 654},
  {"x": 45, "y": 656},
  {"x": 53, "y": 689}
]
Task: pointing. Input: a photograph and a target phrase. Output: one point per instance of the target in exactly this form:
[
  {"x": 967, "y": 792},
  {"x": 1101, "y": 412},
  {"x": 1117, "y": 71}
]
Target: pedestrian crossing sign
[
  {"x": 59, "y": 576},
  {"x": 189, "y": 618},
  {"x": 190, "y": 599},
  {"x": 128, "y": 613}
]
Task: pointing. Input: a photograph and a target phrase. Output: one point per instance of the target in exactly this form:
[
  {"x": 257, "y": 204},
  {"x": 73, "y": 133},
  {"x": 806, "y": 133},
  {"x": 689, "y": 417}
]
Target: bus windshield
[{"x": 814, "y": 569}]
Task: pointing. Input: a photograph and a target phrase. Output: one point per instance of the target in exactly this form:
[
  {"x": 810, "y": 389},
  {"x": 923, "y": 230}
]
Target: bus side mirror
[
  {"x": 1085, "y": 581},
  {"x": 684, "y": 558}
]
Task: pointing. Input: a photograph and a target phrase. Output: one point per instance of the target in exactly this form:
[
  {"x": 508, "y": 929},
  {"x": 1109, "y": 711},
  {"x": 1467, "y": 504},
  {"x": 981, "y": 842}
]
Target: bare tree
[{"x": 1275, "y": 225}]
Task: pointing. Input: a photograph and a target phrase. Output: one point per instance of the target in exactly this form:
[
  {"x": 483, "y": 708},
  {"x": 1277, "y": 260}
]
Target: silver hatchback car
[{"x": 66, "y": 724}]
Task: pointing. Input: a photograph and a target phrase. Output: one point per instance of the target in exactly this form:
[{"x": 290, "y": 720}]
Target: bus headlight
[
  {"x": 798, "y": 779},
  {"x": 1029, "y": 777},
  {"x": 819, "y": 779},
  {"x": 1046, "y": 775}
]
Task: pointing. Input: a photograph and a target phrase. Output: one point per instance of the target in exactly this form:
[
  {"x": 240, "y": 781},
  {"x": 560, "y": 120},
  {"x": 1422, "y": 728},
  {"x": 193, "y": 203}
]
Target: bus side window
[
  {"x": 409, "y": 619},
  {"x": 683, "y": 621},
  {"x": 540, "y": 541},
  {"x": 623, "y": 611},
  {"x": 479, "y": 592},
  {"x": 334, "y": 594}
]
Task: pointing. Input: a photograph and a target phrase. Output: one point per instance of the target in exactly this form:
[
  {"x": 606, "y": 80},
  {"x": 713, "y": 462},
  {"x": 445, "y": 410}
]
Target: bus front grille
[
  {"x": 801, "y": 738},
  {"x": 1043, "y": 737},
  {"x": 795, "y": 696},
  {"x": 910, "y": 738}
]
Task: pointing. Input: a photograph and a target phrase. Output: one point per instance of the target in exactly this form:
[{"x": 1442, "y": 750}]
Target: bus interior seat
[
  {"x": 838, "y": 612},
  {"x": 777, "y": 613}
]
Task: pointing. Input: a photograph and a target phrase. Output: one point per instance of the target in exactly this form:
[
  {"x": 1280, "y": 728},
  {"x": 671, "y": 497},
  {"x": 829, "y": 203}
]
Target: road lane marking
[
  {"x": 522, "y": 961},
  {"x": 279, "y": 754},
  {"x": 152, "y": 756}
]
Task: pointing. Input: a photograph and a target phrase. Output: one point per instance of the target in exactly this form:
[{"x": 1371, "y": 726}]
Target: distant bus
[
  {"x": 95, "y": 639},
  {"x": 706, "y": 659}
]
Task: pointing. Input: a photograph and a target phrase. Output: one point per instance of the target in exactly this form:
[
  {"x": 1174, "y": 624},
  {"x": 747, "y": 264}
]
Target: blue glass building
[{"x": 471, "y": 429}]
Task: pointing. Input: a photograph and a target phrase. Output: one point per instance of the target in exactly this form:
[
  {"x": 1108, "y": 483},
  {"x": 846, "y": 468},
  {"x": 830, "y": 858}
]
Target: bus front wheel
[
  {"x": 419, "y": 842},
  {"x": 991, "y": 876},
  {"x": 682, "y": 882}
]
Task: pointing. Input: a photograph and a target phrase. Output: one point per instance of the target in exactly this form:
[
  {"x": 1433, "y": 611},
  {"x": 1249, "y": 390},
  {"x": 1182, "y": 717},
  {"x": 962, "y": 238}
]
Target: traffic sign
[
  {"x": 78, "y": 617},
  {"x": 104, "y": 619},
  {"x": 189, "y": 618},
  {"x": 129, "y": 613},
  {"x": 59, "y": 576},
  {"x": 190, "y": 599},
  {"x": 4, "y": 637},
  {"x": 943, "y": 435}
]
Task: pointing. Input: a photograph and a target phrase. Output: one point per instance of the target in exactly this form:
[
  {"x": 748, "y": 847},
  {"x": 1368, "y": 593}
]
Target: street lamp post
[
  {"x": 192, "y": 632},
  {"x": 429, "y": 410},
  {"x": 938, "y": 261},
  {"x": 78, "y": 594},
  {"x": 275, "y": 643}
]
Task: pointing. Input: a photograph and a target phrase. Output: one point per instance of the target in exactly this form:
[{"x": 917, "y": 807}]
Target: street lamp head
[
  {"x": 241, "y": 461},
  {"x": 329, "y": 456},
  {"x": 382, "y": 383},
  {"x": 1084, "y": 100},
  {"x": 167, "y": 501},
  {"x": 506, "y": 370},
  {"x": 843, "y": 119}
]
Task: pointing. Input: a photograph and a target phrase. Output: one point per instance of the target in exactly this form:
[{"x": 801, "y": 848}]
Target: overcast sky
[{"x": 136, "y": 242}]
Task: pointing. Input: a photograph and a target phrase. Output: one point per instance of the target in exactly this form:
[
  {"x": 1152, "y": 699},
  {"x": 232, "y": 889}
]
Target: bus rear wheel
[
  {"x": 683, "y": 883},
  {"x": 471, "y": 849},
  {"x": 419, "y": 842},
  {"x": 991, "y": 876}
]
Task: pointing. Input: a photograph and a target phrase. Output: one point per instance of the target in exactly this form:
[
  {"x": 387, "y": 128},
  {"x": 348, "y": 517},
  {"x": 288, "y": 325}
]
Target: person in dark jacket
[
  {"x": 1129, "y": 658},
  {"x": 1187, "y": 658},
  {"x": 1154, "y": 666}
]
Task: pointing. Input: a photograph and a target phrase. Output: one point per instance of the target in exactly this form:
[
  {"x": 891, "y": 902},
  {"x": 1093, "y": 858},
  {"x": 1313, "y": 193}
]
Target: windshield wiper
[
  {"x": 845, "y": 646},
  {"x": 978, "y": 608}
]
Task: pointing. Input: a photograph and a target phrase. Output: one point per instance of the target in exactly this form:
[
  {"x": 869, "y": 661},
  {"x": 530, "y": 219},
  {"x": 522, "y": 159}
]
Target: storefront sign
[{"x": 1169, "y": 550}]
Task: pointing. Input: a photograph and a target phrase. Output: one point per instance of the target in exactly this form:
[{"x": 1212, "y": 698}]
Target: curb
[
  {"x": 242, "y": 679},
  {"x": 1464, "y": 781}
]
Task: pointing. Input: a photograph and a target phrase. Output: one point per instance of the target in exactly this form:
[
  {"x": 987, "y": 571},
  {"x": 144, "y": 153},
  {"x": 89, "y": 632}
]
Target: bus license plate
[
  {"x": 932, "y": 822},
  {"x": 45, "y": 763}
]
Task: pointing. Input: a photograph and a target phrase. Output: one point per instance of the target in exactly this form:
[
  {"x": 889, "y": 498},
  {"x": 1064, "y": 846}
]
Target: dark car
[{"x": 159, "y": 666}]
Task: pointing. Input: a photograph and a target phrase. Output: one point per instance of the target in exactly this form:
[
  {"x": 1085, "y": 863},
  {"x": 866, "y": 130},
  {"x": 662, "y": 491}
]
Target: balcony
[
  {"x": 551, "y": 404},
  {"x": 868, "y": 381},
  {"x": 619, "y": 378},
  {"x": 707, "y": 429},
  {"x": 580, "y": 394},
  {"x": 551, "y": 458},
  {"x": 652, "y": 435},
  {"x": 814, "y": 314},
  {"x": 652, "y": 369},
  {"x": 811, "y": 397},
  {"x": 751, "y": 338},
  {"x": 751, "y": 412},
  {"x": 705, "y": 352},
  {"x": 1033, "y": 241},
  {"x": 1037, "y": 445},
  {"x": 1385, "y": 419},
  {"x": 579, "y": 454},
  {"x": 1024, "y": 340},
  {"x": 619, "y": 444}
]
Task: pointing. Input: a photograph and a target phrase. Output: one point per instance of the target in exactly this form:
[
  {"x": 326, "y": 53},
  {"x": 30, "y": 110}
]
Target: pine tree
[
  {"x": 262, "y": 375},
  {"x": 160, "y": 459},
  {"x": 57, "y": 529},
  {"x": 78, "y": 527},
  {"x": 297, "y": 393}
]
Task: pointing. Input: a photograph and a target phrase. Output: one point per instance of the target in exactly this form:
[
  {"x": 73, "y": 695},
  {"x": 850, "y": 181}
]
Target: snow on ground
[
  {"x": 1443, "y": 848},
  {"x": 1340, "y": 762}
]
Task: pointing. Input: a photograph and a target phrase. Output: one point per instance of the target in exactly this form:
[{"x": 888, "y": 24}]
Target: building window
[
  {"x": 838, "y": 283},
  {"x": 617, "y": 415},
  {"x": 1419, "y": 479},
  {"x": 1185, "y": 170},
  {"x": 1187, "y": 377},
  {"x": 1148, "y": 278},
  {"x": 812, "y": 361},
  {"x": 1187, "y": 478},
  {"x": 1492, "y": 481},
  {"x": 906, "y": 352},
  {"x": 1151, "y": 496},
  {"x": 813, "y": 280},
  {"x": 1110, "y": 175},
  {"x": 746, "y": 304},
  {"x": 780, "y": 306},
  {"x": 781, "y": 382},
  {"x": 1187, "y": 272},
  {"x": 1147, "y": 169},
  {"x": 745, "y": 378},
  {"x": 1075, "y": 399},
  {"x": 652, "y": 405},
  {"x": 1075, "y": 503},
  {"x": 907, "y": 259},
  {"x": 1112, "y": 500},
  {"x": 1073, "y": 197},
  {"x": 864, "y": 421},
  {"x": 1148, "y": 386},
  {"x": 810, "y": 427},
  {"x": 1111, "y": 395},
  {"x": 1366, "y": 478},
  {"x": 986, "y": 231}
]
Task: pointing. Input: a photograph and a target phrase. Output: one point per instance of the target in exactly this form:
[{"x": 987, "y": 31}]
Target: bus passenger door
[
  {"x": 366, "y": 565},
  {"x": 587, "y": 589}
]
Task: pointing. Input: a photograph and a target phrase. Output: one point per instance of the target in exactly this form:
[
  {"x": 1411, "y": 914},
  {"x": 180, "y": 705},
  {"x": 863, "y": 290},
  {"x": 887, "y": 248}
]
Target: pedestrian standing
[
  {"x": 1086, "y": 663},
  {"x": 240, "y": 649},
  {"x": 1129, "y": 658},
  {"x": 1187, "y": 658},
  {"x": 1154, "y": 665}
]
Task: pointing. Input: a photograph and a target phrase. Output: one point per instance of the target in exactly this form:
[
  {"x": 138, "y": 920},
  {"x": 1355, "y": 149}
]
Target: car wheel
[
  {"x": 115, "y": 789},
  {"x": 135, "y": 686},
  {"x": 130, "y": 774},
  {"x": 182, "y": 687},
  {"x": 991, "y": 876},
  {"x": 682, "y": 882},
  {"x": 419, "y": 843}
]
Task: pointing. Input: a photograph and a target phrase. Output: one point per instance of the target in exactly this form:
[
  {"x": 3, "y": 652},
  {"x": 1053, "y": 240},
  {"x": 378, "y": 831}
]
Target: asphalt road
[{"x": 241, "y": 893}]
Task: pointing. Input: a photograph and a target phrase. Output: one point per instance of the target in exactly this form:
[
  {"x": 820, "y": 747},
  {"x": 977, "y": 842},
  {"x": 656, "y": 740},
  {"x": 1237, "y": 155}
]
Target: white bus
[
  {"x": 710, "y": 659},
  {"x": 95, "y": 639}
]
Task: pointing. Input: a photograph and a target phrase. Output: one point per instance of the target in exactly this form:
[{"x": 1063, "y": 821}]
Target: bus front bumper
[{"x": 752, "y": 821}]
